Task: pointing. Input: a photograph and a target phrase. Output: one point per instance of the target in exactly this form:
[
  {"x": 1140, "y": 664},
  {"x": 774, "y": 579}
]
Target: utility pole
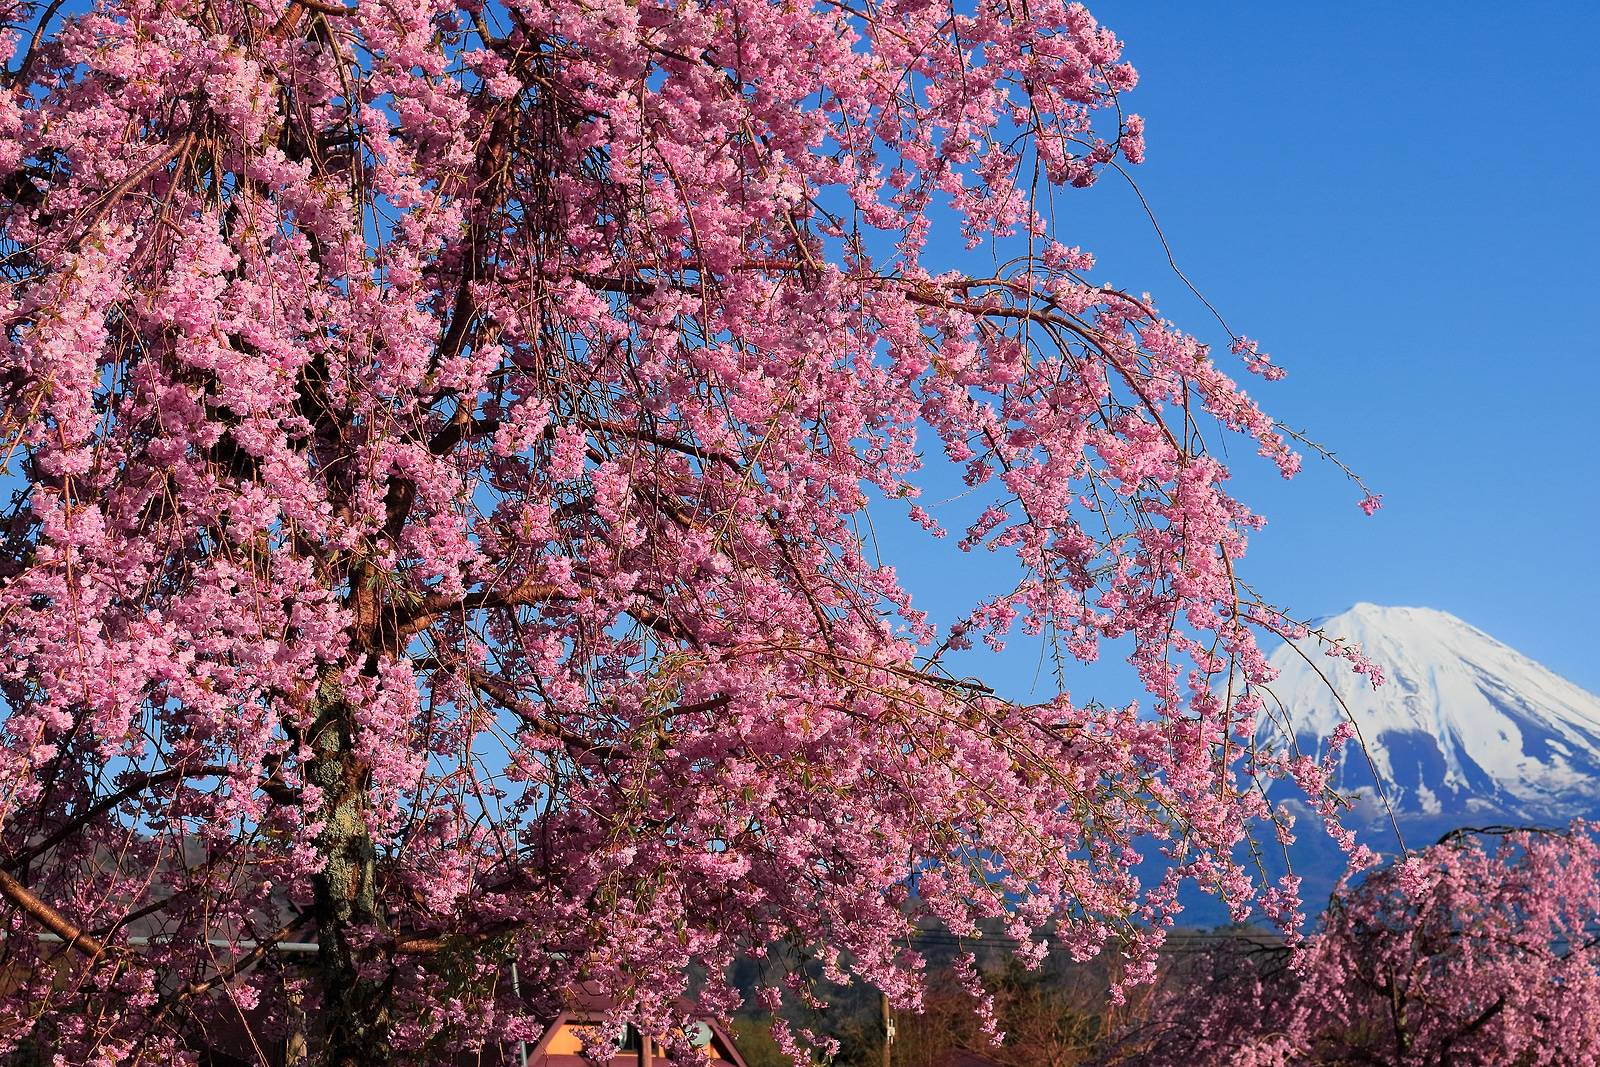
[
  {"x": 888, "y": 1027},
  {"x": 516, "y": 992}
]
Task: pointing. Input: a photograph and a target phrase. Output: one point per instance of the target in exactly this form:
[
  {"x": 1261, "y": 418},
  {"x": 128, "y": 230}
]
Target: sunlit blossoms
[{"x": 443, "y": 439}]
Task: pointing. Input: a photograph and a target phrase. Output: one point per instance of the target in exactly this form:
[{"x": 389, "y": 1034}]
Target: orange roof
[{"x": 560, "y": 1045}]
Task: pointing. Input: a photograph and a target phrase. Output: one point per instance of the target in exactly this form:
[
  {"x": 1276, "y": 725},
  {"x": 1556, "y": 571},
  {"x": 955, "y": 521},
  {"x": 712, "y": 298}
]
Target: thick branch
[
  {"x": 277, "y": 790},
  {"x": 49, "y": 918},
  {"x": 506, "y": 696},
  {"x": 414, "y": 620}
]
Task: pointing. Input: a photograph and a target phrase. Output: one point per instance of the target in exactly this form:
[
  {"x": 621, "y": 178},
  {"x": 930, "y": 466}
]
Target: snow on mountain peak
[{"x": 1464, "y": 726}]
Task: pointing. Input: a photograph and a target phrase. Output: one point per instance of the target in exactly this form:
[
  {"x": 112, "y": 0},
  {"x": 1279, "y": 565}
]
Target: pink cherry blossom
[
  {"x": 445, "y": 437},
  {"x": 1479, "y": 949}
]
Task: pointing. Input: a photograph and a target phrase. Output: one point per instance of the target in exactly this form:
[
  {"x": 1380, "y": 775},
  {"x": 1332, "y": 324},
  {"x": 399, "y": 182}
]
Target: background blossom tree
[
  {"x": 1464, "y": 953},
  {"x": 442, "y": 438}
]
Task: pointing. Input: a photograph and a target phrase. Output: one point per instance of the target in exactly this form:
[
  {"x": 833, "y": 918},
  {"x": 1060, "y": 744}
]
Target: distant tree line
[{"x": 1481, "y": 949}]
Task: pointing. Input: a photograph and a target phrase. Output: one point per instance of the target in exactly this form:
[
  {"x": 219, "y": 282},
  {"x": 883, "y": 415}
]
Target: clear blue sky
[{"x": 1399, "y": 202}]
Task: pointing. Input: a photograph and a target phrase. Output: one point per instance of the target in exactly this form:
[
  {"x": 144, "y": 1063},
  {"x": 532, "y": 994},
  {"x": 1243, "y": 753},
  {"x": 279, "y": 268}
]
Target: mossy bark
[{"x": 355, "y": 1020}]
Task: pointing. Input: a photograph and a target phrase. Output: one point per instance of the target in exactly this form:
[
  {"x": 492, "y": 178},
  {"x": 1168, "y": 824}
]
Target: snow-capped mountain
[{"x": 1465, "y": 729}]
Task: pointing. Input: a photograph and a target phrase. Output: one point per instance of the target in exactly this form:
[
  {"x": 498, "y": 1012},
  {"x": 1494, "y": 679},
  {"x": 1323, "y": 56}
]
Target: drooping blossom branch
[{"x": 443, "y": 437}]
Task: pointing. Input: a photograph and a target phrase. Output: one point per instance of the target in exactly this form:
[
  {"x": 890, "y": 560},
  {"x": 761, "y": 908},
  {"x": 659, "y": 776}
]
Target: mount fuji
[{"x": 1465, "y": 730}]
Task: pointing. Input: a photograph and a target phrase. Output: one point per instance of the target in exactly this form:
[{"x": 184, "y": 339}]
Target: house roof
[{"x": 556, "y": 1047}]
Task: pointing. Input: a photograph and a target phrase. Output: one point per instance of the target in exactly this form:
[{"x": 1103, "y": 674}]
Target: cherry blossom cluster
[
  {"x": 445, "y": 437},
  {"x": 1481, "y": 949}
]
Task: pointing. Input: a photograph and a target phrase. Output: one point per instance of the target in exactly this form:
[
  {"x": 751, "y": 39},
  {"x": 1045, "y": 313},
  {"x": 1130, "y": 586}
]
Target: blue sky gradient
[{"x": 1399, "y": 204}]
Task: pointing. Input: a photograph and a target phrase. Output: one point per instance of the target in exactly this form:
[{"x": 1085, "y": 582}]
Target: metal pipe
[
  {"x": 214, "y": 942},
  {"x": 516, "y": 991}
]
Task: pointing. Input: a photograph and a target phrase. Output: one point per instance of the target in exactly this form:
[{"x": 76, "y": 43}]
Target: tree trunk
[
  {"x": 355, "y": 1015},
  {"x": 296, "y": 1049}
]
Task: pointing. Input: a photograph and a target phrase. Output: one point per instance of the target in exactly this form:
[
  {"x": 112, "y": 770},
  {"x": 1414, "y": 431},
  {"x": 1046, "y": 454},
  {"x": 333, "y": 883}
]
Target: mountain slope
[{"x": 1464, "y": 729}]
